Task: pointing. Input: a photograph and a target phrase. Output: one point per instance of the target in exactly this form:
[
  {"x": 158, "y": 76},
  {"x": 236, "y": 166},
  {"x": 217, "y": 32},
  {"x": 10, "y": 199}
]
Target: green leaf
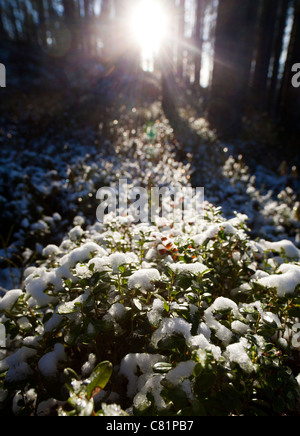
[
  {"x": 70, "y": 375},
  {"x": 198, "y": 409},
  {"x": 122, "y": 268},
  {"x": 185, "y": 281},
  {"x": 137, "y": 304},
  {"x": 166, "y": 307},
  {"x": 295, "y": 311},
  {"x": 174, "y": 342},
  {"x": 162, "y": 367},
  {"x": 99, "y": 378},
  {"x": 198, "y": 370}
]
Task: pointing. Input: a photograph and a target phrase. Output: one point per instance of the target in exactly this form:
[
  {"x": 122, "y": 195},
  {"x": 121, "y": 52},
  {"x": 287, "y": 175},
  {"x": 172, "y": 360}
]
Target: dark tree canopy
[{"x": 237, "y": 55}]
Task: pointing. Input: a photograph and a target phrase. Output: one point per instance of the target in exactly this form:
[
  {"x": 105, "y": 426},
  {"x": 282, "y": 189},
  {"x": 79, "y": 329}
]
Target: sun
[{"x": 149, "y": 25}]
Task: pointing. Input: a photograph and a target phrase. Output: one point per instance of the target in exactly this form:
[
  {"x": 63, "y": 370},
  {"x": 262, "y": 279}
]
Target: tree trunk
[
  {"x": 167, "y": 69},
  {"x": 264, "y": 53},
  {"x": 198, "y": 40},
  {"x": 29, "y": 28},
  {"x": 50, "y": 9},
  {"x": 180, "y": 38},
  {"x": 289, "y": 108},
  {"x": 13, "y": 23},
  {"x": 3, "y": 34},
  {"x": 232, "y": 63},
  {"x": 70, "y": 20},
  {"x": 282, "y": 19},
  {"x": 41, "y": 35},
  {"x": 86, "y": 30}
]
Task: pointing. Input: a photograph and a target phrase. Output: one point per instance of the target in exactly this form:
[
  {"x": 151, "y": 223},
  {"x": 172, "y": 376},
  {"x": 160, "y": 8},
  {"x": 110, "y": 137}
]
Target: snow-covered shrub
[
  {"x": 152, "y": 319},
  {"x": 208, "y": 331}
]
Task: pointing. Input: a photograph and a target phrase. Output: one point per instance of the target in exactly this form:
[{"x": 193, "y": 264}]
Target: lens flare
[{"x": 149, "y": 25}]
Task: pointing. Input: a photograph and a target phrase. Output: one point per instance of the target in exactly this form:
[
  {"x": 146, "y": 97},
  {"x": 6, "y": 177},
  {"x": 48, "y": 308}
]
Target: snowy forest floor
[
  {"x": 190, "y": 320},
  {"x": 59, "y": 143}
]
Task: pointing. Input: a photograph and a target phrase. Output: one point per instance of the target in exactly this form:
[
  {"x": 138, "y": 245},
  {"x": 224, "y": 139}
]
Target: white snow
[
  {"x": 80, "y": 254},
  {"x": 259, "y": 275},
  {"x": 89, "y": 365},
  {"x": 239, "y": 327},
  {"x": 221, "y": 304},
  {"x": 286, "y": 281},
  {"x": 210, "y": 233},
  {"x": 155, "y": 314},
  {"x": 50, "y": 250},
  {"x": 117, "y": 311},
  {"x": 24, "y": 323},
  {"x": 182, "y": 371},
  {"x": 100, "y": 263},
  {"x": 132, "y": 363},
  {"x": 44, "y": 408},
  {"x": 40, "y": 226},
  {"x": 78, "y": 221},
  {"x": 270, "y": 317},
  {"x": 116, "y": 260},
  {"x": 143, "y": 279},
  {"x": 74, "y": 257},
  {"x": 228, "y": 228},
  {"x": 192, "y": 268},
  {"x": 223, "y": 333},
  {"x": 112, "y": 410},
  {"x": 237, "y": 353},
  {"x": 200, "y": 342},
  {"x": 149, "y": 383},
  {"x": 35, "y": 286},
  {"x": 151, "y": 254},
  {"x": 289, "y": 249},
  {"x": 76, "y": 233},
  {"x": 9, "y": 299},
  {"x": 203, "y": 329},
  {"x": 16, "y": 365},
  {"x": 53, "y": 322},
  {"x": 83, "y": 271},
  {"x": 69, "y": 306},
  {"x": 48, "y": 363},
  {"x": 169, "y": 326}
]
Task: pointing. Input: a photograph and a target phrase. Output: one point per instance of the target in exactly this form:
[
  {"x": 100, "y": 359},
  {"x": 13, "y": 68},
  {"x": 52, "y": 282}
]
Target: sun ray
[{"x": 149, "y": 28}]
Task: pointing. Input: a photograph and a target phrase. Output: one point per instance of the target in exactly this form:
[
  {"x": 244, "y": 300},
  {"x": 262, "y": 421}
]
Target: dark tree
[
  {"x": 180, "y": 37},
  {"x": 167, "y": 68},
  {"x": 266, "y": 32},
  {"x": 3, "y": 34},
  {"x": 71, "y": 23},
  {"x": 234, "y": 46},
  {"x": 198, "y": 39},
  {"x": 289, "y": 106},
  {"x": 50, "y": 9},
  {"x": 277, "y": 52},
  {"x": 12, "y": 18}
]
